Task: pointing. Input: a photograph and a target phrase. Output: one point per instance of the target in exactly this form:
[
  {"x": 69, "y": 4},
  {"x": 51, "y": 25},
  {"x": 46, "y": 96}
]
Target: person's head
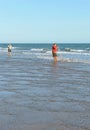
[{"x": 54, "y": 44}]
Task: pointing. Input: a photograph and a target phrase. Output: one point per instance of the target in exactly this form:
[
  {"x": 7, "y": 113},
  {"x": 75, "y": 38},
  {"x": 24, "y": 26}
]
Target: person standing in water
[
  {"x": 54, "y": 52},
  {"x": 9, "y": 49}
]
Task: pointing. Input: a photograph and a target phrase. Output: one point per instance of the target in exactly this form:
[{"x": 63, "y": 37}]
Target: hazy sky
[{"x": 45, "y": 21}]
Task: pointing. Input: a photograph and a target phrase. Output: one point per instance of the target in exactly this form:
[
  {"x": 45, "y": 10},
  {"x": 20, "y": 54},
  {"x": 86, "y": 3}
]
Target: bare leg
[{"x": 55, "y": 59}]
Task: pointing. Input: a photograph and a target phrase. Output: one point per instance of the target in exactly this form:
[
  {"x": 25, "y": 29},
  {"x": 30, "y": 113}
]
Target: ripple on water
[{"x": 6, "y": 93}]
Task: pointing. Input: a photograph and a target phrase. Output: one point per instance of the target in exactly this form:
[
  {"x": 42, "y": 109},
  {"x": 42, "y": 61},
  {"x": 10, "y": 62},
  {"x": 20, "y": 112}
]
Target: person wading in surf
[
  {"x": 9, "y": 49},
  {"x": 54, "y": 52}
]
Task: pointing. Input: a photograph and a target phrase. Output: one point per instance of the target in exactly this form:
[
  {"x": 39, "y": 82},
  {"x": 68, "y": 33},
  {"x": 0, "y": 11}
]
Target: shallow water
[{"x": 38, "y": 94}]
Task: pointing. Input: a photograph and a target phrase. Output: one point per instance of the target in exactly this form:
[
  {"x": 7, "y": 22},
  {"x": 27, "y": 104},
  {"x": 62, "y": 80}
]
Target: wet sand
[{"x": 40, "y": 95}]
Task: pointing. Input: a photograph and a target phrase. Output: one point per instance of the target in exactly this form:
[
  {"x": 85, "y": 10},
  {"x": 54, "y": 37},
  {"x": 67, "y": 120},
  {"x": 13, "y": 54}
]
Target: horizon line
[{"x": 45, "y": 42}]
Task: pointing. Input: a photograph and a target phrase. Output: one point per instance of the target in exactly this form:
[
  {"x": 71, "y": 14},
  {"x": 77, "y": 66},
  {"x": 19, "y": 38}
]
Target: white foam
[{"x": 34, "y": 49}]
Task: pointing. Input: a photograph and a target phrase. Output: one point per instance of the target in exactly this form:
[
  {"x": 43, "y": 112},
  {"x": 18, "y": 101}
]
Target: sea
[{"x": 38, "y": 94}]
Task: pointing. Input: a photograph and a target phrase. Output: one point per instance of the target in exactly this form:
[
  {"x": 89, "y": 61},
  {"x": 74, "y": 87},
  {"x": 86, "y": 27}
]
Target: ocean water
[
  {"x": 73, "y": 52},
  {"x": 38, "y": 94}
]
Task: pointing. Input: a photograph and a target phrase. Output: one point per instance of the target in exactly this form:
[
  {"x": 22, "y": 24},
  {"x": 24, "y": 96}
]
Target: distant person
[
  {"x": 9, "y": 49},
  {"x": 54, "y": 52}
]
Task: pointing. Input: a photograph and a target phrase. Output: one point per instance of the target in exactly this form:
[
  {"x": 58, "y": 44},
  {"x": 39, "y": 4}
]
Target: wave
[
  {"x": 74, "y": 60},
  {"x": 37, "y": 49},
  {"x": 74, "y": 53},
  {"x": 2, "y": 50},
  {"x": 87, "y": 50}
]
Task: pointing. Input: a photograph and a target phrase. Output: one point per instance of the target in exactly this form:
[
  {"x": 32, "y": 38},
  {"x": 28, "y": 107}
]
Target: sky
[{"x": 44, "y": 21}]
